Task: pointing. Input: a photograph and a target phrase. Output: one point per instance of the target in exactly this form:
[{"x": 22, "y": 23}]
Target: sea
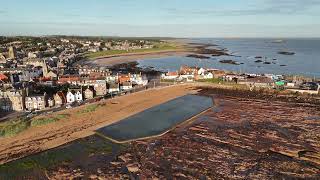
[{"x": 305, "y": 61}]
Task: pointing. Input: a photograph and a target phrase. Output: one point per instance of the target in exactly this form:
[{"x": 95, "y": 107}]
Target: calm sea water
[{"x": 305, "y": 62}]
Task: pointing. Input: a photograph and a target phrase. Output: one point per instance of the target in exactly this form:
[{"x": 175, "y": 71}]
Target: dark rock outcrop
[
  {"x": 229, "y": 62},
  {"x": 198, "y": 56}
]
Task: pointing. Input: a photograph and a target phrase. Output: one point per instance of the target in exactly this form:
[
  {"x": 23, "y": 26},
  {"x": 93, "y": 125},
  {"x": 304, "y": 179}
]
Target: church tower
[
  {"x": 44, "y": 68},
  {"x": 12, "y": 52}
]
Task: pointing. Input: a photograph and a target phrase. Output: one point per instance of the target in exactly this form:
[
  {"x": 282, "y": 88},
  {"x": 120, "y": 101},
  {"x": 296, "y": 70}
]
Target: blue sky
[{"x": 174, "y": 18}]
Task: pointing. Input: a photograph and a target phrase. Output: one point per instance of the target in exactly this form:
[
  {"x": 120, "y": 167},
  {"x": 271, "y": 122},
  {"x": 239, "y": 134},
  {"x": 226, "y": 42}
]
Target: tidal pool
[{"x": 158, "y": 119}]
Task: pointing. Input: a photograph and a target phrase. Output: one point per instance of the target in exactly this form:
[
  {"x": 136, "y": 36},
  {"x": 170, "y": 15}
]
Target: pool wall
[{"x": 157, "y": 120}]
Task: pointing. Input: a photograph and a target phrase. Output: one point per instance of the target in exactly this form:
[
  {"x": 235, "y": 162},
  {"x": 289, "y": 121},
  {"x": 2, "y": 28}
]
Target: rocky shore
[
  {"x": 248, "y": 135},
  {"x": 198, "y": 56},
  {"x": 286, "y": 53},
  {"x": 194, "y": 50},
  {"x": 229, "y": 62}
]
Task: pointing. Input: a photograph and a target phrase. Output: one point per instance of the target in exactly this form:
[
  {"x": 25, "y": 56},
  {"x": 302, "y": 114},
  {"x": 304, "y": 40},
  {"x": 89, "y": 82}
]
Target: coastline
[
  {"x": 131, "y": 57},
  {"x": 226, "y": 115},
  {"x": 184, "y": 48}
]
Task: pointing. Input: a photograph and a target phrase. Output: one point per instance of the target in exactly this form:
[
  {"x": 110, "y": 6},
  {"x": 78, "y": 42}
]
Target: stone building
[
  {"x": 88, "y": 93},
  {"x": 12, "y": 52},
  {"x": 59, "y": 99},
  {"x": 5, "y": 103},
  {"x": 36, "y": 102},
  {"x": 101, "y": 87},
  {"x": 12, "y": 100}
]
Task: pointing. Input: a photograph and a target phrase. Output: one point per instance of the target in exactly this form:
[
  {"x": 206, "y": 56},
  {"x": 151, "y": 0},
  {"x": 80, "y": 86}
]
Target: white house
[
  {"x": 74, "y": 95},
  {"x": 138, "y": 79},
  {"x": 170, "y": 75},
  {"x": 71, "y": 98},
  {"x": 201, "y": 71},
  {"x": 207, "y": 75},
  {"x": 113, "y": 88},
  {"x": 187, "y": 76},
  {"x": 112, "y": 78},
  {"x": 126, "y": 86},
  {"x": 79, "y": 96}
]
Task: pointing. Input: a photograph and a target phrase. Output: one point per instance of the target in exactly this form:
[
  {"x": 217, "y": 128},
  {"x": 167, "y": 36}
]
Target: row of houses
[
  {"x": 251, "y": 80},
  {"x": 20, "y": 100},
  {"x": 188, "y": 74}
]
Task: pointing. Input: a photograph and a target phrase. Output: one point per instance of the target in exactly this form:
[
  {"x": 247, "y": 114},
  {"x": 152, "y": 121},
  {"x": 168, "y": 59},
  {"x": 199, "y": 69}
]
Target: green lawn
[{"x": 157, "y": 47}]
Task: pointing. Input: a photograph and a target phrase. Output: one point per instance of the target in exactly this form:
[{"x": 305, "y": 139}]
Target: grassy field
[
  {"x": 15, "y": 126},
  {"x": 91, "y": 108},
  {"x": 157, "y": 48},
  {"x": 48, "y": 120}
]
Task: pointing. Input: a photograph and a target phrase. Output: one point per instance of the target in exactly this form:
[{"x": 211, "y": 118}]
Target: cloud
[
  {"x": 262, "y": 7},
  {"x": 291, "y": 6}
]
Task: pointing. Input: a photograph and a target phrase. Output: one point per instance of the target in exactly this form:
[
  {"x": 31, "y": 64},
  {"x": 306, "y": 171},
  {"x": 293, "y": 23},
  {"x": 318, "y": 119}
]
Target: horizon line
[{"x": 168, "y": 37}]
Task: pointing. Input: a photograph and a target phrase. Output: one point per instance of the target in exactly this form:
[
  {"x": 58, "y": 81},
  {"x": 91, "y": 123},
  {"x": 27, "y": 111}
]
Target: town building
[
  {"x": 74, "y": 95},
  {"x": 33, "y": 54},
  {"x": 126, "y": 86},
  {"x": 51, "y": 102},
  {"x": 36, "y": 102},
  {"x": 35, "y": 62},
  {"x": 5, "y": 103},
  {"x": 259, "y": 81},
  {"x": 12, "y": 52},
  {"x": 124, "y": 78},
  {"x": 100, "y": 86},
  {"x": 59, "y": 99},
  {"x": 138, "y": 79},
  {"x": 3, "y": 78},
  {"x": 88, "y": 93},
  {"x": 2, "y": 58},
  {"x": 170, "y": 75},
  {"x": 12, "y": 100},
  {"x": 113, "y": 88}
]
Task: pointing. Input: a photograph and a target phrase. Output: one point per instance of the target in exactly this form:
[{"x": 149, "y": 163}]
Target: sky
[{"x": 161, "y": 18}]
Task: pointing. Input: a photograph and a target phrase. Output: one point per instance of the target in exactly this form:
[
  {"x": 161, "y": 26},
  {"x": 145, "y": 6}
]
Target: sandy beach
[{"x": 130, "y": 57}]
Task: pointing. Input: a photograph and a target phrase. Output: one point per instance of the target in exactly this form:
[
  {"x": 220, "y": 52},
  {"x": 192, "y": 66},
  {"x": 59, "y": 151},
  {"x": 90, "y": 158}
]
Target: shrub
[
  {"x": 43, "y": 121},
  {"x": 90, "y": 108},
  {"x": 13, "y": 127},
  {"x": 48, "y": 120}
]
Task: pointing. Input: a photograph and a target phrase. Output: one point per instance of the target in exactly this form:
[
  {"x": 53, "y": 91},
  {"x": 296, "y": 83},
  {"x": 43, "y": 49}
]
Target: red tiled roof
[
  {"x": 3, "y": 77},
  {"x": 172, "y": 74},
  {"x": 43, "y": 79},
  {"x": 68, "y": 79},
  {"x": 124, "y": 78}
]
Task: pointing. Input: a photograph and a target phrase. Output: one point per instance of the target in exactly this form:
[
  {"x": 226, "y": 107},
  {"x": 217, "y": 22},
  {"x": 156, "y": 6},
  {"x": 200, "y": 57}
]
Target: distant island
[{"x": 286, "y": 53}]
